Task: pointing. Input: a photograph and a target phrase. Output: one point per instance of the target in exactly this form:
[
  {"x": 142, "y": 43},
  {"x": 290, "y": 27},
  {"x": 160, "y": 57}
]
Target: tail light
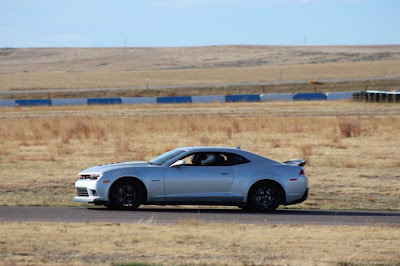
[{"x": 302, "y": 172}]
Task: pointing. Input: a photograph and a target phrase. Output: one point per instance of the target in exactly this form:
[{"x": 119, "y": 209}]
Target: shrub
[
  {"x": 350, "y": 129},
  {"x": 305, "y": 152}
]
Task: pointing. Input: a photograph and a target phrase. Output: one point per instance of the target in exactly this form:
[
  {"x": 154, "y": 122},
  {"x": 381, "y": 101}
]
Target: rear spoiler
[{"x": 296, "y": 162}]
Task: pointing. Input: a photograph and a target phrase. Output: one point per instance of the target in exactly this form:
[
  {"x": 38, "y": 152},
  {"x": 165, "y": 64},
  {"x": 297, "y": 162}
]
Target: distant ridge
[{"x": 141, "y": 58}]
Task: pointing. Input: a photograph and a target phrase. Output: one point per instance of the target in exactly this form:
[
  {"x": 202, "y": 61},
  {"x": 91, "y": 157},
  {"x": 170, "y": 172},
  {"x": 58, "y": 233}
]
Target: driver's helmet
[
  {"x": 197, "y": 158},
  {"x": 203, "y": 159}
]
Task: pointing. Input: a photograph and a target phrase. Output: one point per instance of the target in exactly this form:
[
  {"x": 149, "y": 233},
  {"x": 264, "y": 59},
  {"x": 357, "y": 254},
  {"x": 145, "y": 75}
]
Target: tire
[
  {"x": 264, "y": 196},
  {"x": 246, "y": 208},
  {"x": 126, "y": 195}
]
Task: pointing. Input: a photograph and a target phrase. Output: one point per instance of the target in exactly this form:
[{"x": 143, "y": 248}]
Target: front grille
[{"x": 82, "y": 192}]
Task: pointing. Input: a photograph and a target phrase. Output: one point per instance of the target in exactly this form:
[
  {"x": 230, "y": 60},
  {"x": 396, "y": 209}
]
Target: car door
[{"x": 197, "y": 183}]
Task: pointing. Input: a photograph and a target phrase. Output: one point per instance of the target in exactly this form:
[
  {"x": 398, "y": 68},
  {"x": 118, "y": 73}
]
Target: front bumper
[
  {"x": 87, "y": 192},
  {"x": 92, "y": 200},
  {"x": 84, "y": 199}
]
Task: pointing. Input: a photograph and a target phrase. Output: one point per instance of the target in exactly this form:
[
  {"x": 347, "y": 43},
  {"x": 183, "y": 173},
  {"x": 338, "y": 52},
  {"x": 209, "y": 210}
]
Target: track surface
[{"x": 167, "y": 215}]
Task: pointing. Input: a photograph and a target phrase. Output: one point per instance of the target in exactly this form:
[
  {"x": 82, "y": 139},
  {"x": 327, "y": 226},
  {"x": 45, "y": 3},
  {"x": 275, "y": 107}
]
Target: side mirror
[{"x": 178, "y": 163}]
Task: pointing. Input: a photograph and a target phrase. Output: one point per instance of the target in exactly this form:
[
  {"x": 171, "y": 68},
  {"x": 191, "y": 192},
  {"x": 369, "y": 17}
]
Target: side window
[
  {"x": 188, "y": 160},
  {"x": 206, "y": 159},
  {"x": 195, "y": 159},
  {"x": 213, "y": 159}
]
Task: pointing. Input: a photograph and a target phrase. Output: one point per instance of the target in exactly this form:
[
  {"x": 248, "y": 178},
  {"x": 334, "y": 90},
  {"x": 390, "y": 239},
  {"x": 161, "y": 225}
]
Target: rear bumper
[{"x": 303, "y": 198}]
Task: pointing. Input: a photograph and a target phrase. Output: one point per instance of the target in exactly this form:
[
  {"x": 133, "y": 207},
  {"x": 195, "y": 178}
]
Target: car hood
[{"x": 113, "y": 166}]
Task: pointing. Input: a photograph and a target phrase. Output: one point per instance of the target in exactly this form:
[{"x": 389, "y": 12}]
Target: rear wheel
[
  {"x": 264, "y": 196},
  {"x": 126, "y": 195}
]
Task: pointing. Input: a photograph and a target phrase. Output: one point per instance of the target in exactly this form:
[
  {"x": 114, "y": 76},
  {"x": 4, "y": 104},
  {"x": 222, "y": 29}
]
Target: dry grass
[
  {"x": 42, "y": 149},
  {"x": 52, "y": 68},
  {"x": 134, "y": 59},
  {"x": 129, "y": 79},
  {"x": 194, "y": 242},
  {"x": 130, "y": 68}
]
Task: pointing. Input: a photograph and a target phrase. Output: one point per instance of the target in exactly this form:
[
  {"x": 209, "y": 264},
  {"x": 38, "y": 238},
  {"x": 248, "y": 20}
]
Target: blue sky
[{"x": 101, "y": 23}]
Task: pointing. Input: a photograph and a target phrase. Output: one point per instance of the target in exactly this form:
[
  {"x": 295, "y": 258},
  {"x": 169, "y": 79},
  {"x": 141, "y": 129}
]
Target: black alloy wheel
[
  {"x": 126, "y": 195},
  {"x": 265, "y": 196}
]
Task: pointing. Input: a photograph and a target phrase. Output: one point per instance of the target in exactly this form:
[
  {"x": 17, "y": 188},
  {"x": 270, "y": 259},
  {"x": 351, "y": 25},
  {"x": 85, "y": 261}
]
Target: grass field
[
  {"x": 137, "y": 79},
  {"x": 59, "y": 68},
  {"x": 352, "y": 148},
  {"x": 353, "y": 151},
  {"x": 191, "y": 242},
  {"x": 171, "y": 58}
]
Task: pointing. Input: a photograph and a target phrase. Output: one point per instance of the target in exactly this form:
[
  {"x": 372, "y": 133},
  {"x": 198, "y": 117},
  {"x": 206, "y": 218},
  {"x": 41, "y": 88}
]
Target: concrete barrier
[
  {"x": 276, "y": 97},
  {"x": 369, "y": 96},
  {"x": 104, "y": 101},
  {"x": 309, "y": 97},
  {"x": 177, "y": 99},
  {"x": 69, "y": 101},
  {"x": 38, "y": 102},
  {"x": 139, "y": 100},
  {"x": 242, "y": 98},
  {"x": 7, "y": 103},
  {"x": 208, "y": 99},
  {"x": 338, "y": 96}
]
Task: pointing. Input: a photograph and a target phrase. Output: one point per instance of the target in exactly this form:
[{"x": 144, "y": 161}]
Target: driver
[{"x": 203, "y": 159}]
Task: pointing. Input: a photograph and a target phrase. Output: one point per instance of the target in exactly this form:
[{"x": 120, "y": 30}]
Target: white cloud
[
  {"x": 197, "y": 3},
  {"x": 69, "y": 39},
  {"x": 34, "y": 40},
  {"x": 190, "y": 3}
]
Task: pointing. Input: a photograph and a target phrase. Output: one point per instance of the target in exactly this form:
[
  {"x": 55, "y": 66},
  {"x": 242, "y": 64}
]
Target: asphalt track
[
  {"x": 193, "y": 86},
  {"x": 168, "y": 215}
]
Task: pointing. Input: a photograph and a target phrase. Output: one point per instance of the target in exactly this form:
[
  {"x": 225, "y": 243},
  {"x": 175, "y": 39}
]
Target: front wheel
[
  {"x": 264, "y": 196},
  {"x": 126, "y": 195}
]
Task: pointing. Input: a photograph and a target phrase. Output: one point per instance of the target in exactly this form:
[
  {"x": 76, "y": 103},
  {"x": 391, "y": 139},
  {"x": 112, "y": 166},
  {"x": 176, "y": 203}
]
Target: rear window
[{"x": 235, "y": 159}]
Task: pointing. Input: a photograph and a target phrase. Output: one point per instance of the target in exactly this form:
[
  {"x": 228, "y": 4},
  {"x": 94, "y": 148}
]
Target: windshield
[{"x": 165, "y": 157}]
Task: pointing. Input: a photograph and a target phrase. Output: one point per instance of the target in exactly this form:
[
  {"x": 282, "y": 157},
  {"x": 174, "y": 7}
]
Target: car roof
[
  {"x": 209, "y": 148},
  {"x": 247, "y": 154}
]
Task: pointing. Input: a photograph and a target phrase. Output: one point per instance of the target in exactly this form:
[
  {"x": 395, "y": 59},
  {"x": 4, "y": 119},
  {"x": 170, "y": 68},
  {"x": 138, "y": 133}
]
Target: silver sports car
[{"x": 196, "y": 176}]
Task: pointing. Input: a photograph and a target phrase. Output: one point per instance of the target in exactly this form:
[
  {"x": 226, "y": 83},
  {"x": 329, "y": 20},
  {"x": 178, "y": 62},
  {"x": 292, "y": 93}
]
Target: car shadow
[{"x": 238, "y": 211}]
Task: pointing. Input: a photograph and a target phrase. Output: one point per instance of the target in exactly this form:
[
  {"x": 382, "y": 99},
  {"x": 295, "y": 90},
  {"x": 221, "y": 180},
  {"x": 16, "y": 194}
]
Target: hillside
[
  {"x": 133, "y": 59},
  {"x": 71, "y": 68}
]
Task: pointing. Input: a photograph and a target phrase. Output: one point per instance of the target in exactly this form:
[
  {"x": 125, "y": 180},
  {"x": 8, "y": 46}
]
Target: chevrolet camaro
[{"x": 196, "y": 176}]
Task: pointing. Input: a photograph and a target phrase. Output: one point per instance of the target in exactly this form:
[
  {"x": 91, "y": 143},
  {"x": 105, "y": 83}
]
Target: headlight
[{"x": 92, "y": 176}]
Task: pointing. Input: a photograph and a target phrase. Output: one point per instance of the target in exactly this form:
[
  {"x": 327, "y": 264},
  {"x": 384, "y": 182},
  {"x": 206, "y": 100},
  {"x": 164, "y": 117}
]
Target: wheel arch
[
  {"x": 279, "y": 185},
  {"x": 130, "y": 178}
]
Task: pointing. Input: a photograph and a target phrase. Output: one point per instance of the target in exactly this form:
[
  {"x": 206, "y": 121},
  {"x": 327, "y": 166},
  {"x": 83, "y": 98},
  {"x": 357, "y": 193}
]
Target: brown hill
[{"x": 133, "y": 59}]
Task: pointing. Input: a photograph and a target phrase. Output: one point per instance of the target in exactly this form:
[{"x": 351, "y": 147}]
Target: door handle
[{"x": 224, "y": 173}]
